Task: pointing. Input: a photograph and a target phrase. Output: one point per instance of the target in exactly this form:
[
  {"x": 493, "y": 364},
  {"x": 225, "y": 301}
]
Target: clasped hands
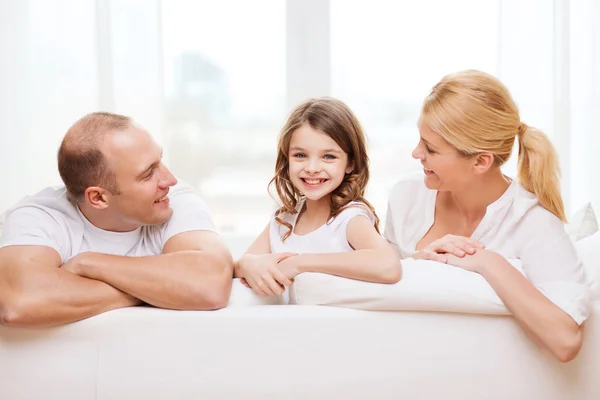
[
  {"x": 459, "y": 251},
  {"x": 268, "y": 274}
]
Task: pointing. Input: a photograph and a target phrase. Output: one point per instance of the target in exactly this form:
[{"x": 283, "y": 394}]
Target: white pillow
[
  {"x": 583, "y": 223},
  {"x": 589, "y": 252},
  {"x": 2, "y": 221},
  {"x": 425, "y": 286},
  {"x": 243, "y": 296}
]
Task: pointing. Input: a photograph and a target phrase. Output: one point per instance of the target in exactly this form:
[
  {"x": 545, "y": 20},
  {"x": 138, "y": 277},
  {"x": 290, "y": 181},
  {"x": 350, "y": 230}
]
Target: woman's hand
[
  {"x": 439, "y": 250},
  {"x": 261, "y": 274},
  {"x": 474, "y": 262}
]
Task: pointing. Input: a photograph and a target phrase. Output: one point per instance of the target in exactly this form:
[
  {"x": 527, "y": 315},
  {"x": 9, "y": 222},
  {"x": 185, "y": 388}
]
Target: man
[{"x": 120, "y": 233}]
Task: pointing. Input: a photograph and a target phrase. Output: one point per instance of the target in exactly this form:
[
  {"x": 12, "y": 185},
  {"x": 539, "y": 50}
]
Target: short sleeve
[
  {"x": 33, "y": 226},
  {"x": 352, "y": 211},
  {"x": 552, "y": 265},
  {"x": 389, "y": 232},
  {"x": 190, "y": 213}
]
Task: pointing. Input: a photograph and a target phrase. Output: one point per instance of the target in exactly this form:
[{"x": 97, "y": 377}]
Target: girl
[{"x": 324, "y": 223}]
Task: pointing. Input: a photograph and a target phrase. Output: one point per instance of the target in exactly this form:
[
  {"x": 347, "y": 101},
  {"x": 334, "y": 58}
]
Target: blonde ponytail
[
  {"x": 474, "y": 112},
  {"x": 538, "y": 169}
]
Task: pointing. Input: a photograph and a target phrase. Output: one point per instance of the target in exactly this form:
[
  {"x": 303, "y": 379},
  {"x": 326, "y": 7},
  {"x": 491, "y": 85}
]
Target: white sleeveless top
[{"x": 329, "y": 238}]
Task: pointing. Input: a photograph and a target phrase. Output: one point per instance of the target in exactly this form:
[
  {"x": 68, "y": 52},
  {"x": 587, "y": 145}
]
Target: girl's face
[{"x": 317, "y": 165}]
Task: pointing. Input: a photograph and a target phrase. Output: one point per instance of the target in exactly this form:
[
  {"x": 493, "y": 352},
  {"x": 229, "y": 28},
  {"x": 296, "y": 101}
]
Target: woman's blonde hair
[
  {"x": 336, "y": 120},
  {"x": 474, "y": 112}
]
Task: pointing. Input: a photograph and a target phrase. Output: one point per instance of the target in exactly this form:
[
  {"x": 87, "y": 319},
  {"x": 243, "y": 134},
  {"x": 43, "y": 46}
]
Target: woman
[{"x": 466, "y": 213}]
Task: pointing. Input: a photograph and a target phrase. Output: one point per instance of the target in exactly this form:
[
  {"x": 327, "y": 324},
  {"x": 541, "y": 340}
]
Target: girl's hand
[
  {"x": 261, "y": 274},
  {"x": 439, "y": 250},
  {"x": 290, "y": 267}
]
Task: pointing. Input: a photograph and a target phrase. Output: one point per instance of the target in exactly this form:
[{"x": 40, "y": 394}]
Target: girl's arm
[
  {"x": 258, "y": 267},
  {"x": 374, "y": 259}
]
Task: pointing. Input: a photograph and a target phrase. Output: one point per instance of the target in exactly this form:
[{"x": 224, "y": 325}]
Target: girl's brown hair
[{"x": 335, "y": 119}]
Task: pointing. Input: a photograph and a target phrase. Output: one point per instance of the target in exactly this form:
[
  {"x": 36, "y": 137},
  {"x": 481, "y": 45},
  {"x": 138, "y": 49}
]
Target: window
[{"x": 224, "y": 69}]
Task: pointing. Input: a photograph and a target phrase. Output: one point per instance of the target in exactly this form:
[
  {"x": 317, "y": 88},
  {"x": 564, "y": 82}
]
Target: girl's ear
[{"x": 350, "y": 167}]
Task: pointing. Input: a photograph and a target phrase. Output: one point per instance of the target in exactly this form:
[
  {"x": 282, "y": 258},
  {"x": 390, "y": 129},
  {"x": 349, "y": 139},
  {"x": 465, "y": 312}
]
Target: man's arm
[
  {"x": 35, "y": 292},
  {"x": 193, "y": 273}
]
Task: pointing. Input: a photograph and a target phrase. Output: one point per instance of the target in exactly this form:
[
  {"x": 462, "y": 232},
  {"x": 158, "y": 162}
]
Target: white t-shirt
[
  {"x": 329, "y": 238},
  {"x": 515, "y": 225},
  {"x": 49, "y": 219}
]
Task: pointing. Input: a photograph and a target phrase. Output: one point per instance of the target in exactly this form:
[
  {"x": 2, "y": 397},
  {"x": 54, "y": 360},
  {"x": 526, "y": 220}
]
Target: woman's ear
[{"x": 483, "y": 162}]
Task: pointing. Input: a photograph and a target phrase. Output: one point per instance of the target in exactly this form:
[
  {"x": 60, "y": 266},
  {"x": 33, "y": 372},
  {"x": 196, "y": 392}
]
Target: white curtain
[{"x": 214, "y": 80}]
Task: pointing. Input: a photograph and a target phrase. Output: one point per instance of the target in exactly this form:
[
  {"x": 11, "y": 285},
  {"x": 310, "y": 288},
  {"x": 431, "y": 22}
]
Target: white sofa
[
  {"x": 291, "y": 352},
  {"x": 252, "y": 351}
]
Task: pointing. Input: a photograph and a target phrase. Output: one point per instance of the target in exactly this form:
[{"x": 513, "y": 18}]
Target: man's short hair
[{"x": 81, "y": 164}]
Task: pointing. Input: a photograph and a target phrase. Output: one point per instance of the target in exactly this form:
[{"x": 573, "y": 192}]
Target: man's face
[{"x": 143, "y": 180}]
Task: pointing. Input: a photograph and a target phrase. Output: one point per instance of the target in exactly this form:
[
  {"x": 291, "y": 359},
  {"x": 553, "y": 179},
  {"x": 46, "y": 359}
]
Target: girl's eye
[
  {"x": 299, "y": 155},
  {"x": 329, "y": 157}
]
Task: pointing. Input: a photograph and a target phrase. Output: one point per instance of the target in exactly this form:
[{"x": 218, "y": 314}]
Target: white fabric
[
  {"x": 329, "y": 238},
  {"x": 425, "y": 286},
  {"x": 589, "y": 251},
  {"x": 242, "y": 296},
  {"x": 49, "y": 219},
  {"x": 515, "y": 226},
  {"x": 291, "y": 352},
  {"x": 583, "y": 223}
]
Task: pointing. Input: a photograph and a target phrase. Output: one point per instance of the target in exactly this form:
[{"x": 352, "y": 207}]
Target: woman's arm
[
  {"x": 542, "y": 319},
  {"x": 374, "y": 259}
]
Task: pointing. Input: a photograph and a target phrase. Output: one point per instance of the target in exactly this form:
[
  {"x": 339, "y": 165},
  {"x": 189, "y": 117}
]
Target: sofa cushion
[
  {"x": 583, "y": 223},
  {"x": 2, "y": 221},
  {"x": 425, "y": 286},
  {"x": 589, "y": 252}
]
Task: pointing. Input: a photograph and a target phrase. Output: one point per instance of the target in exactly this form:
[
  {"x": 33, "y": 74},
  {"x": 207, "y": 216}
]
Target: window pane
[
  {"x": 225, "y": 102},
  {"x": 387, "y": 55}
]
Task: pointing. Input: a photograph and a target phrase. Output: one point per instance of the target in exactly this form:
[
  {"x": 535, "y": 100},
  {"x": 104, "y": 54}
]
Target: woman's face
[{"x": 445, "y": 169}]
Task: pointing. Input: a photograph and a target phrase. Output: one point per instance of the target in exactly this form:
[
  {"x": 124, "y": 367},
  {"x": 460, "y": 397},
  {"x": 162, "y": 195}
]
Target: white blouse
[
  {"x": 329, "y": 238},
  {"x": 515, "y": 225}
]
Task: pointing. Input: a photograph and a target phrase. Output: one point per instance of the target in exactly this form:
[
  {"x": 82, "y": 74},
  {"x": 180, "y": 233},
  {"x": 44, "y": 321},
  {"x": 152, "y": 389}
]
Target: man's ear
[
  {"x": 96, "y": 197},
  {"x": 483, "y": 162}
]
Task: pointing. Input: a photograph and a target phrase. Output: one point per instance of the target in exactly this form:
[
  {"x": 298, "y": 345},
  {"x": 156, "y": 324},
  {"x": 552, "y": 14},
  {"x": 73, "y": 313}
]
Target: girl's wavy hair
[{"x": 336, "y": 120}]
